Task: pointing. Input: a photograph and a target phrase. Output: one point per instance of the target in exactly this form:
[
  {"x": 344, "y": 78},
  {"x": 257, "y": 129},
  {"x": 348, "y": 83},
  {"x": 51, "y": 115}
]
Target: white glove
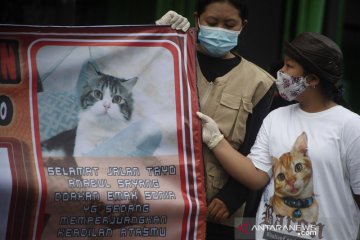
[
  {"x": 174, "y": 19},
  {"x": 210, "y": 131}
]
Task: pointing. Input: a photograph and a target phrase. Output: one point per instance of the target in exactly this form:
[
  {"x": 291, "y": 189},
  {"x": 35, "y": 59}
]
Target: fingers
[
  {"x": 203, "y": 117},
  {"x": 185, "y": 26},
  {"x": 175, "y": 20},
  {"x": 166, "y": 18},
  {"x": 180, "y": 23},
  {"x": 171, "y": 14},
  {"x": 217, "y": 210}
]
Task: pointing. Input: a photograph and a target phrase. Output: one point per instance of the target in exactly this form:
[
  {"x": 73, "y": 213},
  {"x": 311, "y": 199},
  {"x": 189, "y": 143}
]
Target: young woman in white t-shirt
[{"x": 306, "y": 155}]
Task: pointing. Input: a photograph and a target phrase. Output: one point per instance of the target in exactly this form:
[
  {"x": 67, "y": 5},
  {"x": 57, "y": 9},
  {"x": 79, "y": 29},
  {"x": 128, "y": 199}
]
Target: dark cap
[{"x": 317, "y": 54}]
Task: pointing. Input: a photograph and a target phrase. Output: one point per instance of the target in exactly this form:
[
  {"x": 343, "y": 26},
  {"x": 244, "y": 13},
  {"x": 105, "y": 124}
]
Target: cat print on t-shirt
[
  {"x": 293, "y": 184},
  {"x": 293, "y": 208}
]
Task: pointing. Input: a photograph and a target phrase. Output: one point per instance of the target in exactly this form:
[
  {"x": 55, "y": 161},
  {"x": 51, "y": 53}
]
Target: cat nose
[
  {"x": 291, "y": 182},
  {"x": 106, "y": 105}
]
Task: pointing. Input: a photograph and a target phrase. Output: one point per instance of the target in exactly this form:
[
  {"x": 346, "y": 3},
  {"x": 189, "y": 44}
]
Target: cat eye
[
  {"x": 281, "y": 177},
  {"x": 97, "y": 94},
  {"x": 118, "y": 99},
  {"x": 298, "y": 167}
]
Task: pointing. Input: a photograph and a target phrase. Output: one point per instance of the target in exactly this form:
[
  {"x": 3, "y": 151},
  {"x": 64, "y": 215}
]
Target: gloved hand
[
  {"x": 174, "y": 19},
  {"x": 210, "y": 131}
]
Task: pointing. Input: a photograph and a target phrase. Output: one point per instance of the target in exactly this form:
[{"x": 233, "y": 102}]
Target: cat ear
[
  {"x": 93, "y": 67},
  {"x": 129, "y": 83},
  {"x": 89, "y": 70},
  {"x": 275, "y": 163},
  {"x": 301, "y": 144},
  {"x": 274, "y": 159}
]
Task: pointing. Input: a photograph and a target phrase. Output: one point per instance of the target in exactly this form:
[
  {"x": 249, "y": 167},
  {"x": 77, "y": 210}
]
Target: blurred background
[{"x": 271, "y": 22}]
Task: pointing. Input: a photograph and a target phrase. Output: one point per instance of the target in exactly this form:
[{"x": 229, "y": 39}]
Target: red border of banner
[
  {"x": 18, "y": 155},
  {"x": 189, "y": 128}
]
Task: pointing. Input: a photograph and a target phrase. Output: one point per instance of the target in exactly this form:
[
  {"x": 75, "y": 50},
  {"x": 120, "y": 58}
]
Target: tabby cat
[
  {"x": 106, "y": 107},
  {"x": 293, "y": 183}
]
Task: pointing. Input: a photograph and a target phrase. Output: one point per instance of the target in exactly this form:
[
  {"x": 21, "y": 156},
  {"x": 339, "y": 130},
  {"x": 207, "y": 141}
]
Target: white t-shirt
[{"x": 333, "y": 147}]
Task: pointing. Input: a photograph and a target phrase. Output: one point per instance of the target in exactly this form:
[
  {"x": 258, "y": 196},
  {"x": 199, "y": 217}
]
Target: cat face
[
  {"x": 106, "y": 97},
  {"x": 293, "y": 171}
]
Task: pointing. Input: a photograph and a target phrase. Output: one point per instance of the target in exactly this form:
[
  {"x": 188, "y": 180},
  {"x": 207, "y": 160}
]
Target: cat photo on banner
[
  {"x": 98, "y": 103},
  {"x": 106, "y": 107},
  {"x": 101, "y": 103}
]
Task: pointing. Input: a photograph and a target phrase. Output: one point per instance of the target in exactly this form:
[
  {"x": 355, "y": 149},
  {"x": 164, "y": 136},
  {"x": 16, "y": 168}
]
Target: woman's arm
[
  {"x": 234, "y": 194},
  {"x": 240, "y": 167},
  {"x": 237, "y": 165}
]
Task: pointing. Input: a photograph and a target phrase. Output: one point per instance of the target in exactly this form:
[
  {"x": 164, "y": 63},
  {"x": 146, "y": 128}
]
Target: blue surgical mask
[{"x": 217, "y": 41}]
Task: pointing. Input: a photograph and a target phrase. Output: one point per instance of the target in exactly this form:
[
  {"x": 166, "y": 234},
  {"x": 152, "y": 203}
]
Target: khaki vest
[{"x": 229, "y": 100}]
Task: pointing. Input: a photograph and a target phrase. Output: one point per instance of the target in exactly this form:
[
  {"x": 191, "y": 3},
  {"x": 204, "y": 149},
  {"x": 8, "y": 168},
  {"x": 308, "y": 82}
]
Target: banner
[{"x": 99, "y": 136}]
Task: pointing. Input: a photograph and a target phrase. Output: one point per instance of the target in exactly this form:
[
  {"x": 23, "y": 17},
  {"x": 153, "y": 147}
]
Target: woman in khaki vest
[{"x": 234, "y": 92}]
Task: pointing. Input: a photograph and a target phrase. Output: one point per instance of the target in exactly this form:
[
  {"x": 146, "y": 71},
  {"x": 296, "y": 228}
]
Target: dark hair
[
  {"x": 332, "y": 92},
  {"x": 321, "y": 56},
  {"x": 241, "y": 5}
]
